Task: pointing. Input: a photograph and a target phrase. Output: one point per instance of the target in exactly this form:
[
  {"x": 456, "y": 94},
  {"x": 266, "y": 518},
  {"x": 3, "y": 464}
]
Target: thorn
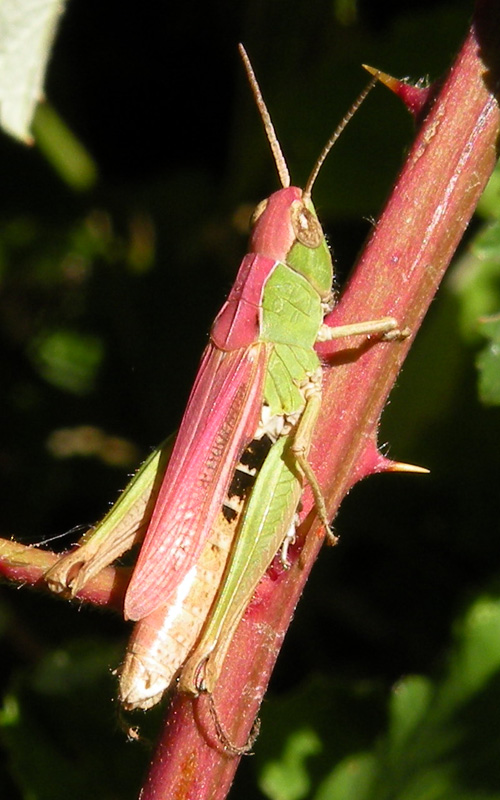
[
  {"x": 383, "y": 77},
  {"x": 415, "y": 97},
  {"x": 400, "y": 466}
]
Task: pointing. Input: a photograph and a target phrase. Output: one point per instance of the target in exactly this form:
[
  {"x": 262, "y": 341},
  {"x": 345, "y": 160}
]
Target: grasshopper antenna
[
  {"x": 279, "y": 158},
  {"x": 306, "y": 195}
]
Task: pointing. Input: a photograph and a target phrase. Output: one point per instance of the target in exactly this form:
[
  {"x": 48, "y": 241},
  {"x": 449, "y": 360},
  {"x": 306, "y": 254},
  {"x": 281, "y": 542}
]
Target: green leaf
[
  {"x": 72, "y": 162},
  {"x": 287, "y": 778},
  {"x": 475, "y": 280},
  {"x": 488, "y": 364},
  {"x": 489, "y": 204},
  {"x": 68, "y": 360},
  {"x": 27, "y": 31},
  {"x": 351, "y": 778}
]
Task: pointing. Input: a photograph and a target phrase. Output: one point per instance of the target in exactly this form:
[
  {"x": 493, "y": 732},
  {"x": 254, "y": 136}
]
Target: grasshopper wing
[{"x": 220, "y": 420}]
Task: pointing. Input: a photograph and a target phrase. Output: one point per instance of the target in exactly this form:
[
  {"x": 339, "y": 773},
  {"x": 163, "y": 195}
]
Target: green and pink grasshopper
[{"x": 259, "y": 382}]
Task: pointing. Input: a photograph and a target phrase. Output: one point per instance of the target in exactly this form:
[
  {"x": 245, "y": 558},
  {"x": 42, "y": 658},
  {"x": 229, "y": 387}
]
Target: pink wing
[{"x": 220, "y": 420}]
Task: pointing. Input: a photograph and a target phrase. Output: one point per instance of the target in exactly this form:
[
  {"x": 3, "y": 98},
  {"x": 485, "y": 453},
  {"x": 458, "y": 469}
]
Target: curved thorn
[{"x": 400, "y": 466}]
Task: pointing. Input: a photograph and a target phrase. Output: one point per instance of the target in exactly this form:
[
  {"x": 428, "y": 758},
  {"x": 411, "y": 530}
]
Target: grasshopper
[{"x": 259, "y": 378}]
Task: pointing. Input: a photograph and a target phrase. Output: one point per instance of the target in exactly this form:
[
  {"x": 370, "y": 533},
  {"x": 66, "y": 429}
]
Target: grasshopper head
[{"x": 281, "y": 221}]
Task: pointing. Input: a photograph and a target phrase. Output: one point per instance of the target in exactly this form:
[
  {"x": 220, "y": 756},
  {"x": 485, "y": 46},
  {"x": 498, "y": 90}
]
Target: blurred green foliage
[
  {"x": 120, "y": 234},
  {"x": 432, "y": 737},
  {"x": 488, "y": 364}
]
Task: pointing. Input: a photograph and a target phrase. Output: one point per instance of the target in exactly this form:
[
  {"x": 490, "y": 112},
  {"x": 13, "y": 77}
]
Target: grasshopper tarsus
[
  {"x": 396, "y": 335},
  {"x": 331, "y": 539}
]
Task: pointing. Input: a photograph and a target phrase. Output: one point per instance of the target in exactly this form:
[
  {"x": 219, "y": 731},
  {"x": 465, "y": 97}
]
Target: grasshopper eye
[
  {"x": 306, "y": 227},
  {"x": 259, "y": 210}
]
